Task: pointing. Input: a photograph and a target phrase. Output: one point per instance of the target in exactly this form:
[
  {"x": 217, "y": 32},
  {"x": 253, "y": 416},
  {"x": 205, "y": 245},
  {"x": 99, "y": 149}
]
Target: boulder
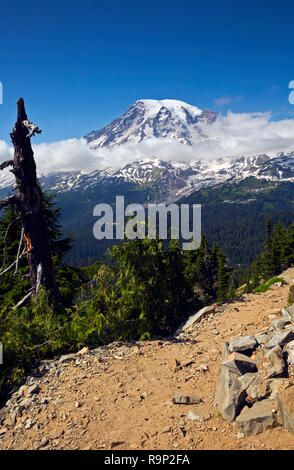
[
  {"x": 66, "y": 358},
  {"x": 263, "y": 338},
  {"x": 225, "y": 350},
  {"x": 198, "y": 316},
  {"x": 247, "y": 379},
  {"x": 288, "y": 312},
  {"x": 230, "y": 393},
  {"x": 256, "y": 419},
  {"x": 258, "y": 389},
  {"x": 239, "y": 363},
  {"x": 242, "y": 343},
  {"x": 285, "y": 402},
  {"x": 180, "y": 399},
  {"x": 32, "y": 390},
  {"x": 280, "y": 339},
  {"x": 198, "y": 414},
  {"x": 277, "y": 386},
  {"x": 290, "y": 353},
  {"x": 280, "y": 323},
  {"x": 271, "y": 362}
]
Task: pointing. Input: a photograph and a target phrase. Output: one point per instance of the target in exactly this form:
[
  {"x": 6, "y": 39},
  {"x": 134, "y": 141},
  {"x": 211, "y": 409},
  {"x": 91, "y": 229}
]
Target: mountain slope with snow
[
  {"x": 146, "y": 119},
  {"x": 172, "y": 180},
  {"x": 163, "y": 121},
  {"x": 176, "y": 179}
]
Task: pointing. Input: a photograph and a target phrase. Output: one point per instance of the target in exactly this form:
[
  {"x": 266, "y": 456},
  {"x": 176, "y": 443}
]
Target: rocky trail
[{"x": 146, "y": 395}]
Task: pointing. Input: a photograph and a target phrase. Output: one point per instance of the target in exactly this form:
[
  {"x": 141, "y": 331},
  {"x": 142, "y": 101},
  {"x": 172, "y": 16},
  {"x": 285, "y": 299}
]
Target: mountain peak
[
  {"x": 149, "y": 119},
  {"x": 174, "y": 106}
]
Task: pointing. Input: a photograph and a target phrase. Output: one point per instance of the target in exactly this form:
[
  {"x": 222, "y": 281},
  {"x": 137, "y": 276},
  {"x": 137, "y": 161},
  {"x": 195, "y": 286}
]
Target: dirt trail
[{"x": 119, "y": 397}]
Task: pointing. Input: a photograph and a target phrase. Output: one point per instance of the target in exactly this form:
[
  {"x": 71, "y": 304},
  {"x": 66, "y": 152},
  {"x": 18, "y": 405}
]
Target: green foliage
[
  {"x": 146, "y": 291},
  {"x": 28, "y": 334},
  {"x": 277, "y": 256},
  {"x": 154, "y": 293},
  {"x": 266, "y": 286},
  {"x": 14, "y": 286},
  {"x": 291, "y": 295}
]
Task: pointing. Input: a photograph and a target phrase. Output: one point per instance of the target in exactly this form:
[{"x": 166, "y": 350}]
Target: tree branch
[
  {"x": 23, "y": 301},
  {"x": 18, "y": 251},
  {"x": 6, "y": 164},
  {"x": 14, "y": 262},
  {"x": 7, "y": 201},
  {"x": 31, "y": 127},
  {"x": 5, "y": 237}
]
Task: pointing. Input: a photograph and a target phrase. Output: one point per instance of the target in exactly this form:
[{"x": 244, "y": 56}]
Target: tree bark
[{"x": 29, "y": 204}]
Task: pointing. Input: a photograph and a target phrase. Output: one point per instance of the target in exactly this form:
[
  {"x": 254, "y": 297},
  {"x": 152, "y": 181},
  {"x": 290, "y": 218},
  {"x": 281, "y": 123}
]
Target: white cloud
[
  {"x": 6, "y": 152},
  {"x": 222, "y": 100},
  {"x": 230, "y": 135}
]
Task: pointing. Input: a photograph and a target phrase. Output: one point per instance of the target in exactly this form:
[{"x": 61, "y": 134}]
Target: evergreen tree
[
  {"x": 222, "y": 275},
  {"x": 14, "y": 284}
]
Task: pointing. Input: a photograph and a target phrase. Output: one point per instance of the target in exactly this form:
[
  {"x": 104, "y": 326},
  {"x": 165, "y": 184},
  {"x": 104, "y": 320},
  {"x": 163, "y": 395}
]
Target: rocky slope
[
  {"x": 147, "y": 119},
  {"x": 131, "y": 395}
]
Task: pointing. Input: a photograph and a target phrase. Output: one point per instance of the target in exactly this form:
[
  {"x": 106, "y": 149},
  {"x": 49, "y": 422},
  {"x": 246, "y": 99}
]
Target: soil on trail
[{"x": 120, "y": 396}]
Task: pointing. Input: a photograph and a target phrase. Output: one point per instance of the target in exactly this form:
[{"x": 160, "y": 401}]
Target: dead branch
[
  {"x": 7, "y": 201},
  {"x": 18, "y": 251},
  {"x": 31, "y": 127},
  {"x": 14, "y": 262},
  {"x": 5, "y": 237},
  {"x": 6, "y": 164},
  {"x": 23, "y": 301}
]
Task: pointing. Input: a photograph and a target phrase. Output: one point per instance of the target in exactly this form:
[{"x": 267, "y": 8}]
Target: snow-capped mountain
[
  {"x": 147, "y": 119},
  {"x": 176, "y": 179},
  {"x": 173, "y": 180},
  {"x": 169, "y": 180}
]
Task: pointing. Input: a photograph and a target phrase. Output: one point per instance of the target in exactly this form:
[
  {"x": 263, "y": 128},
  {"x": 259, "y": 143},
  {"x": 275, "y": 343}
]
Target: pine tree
[
  {"x": 14, "y": 283},
  {"x": 278, "y": 249},
  {"x": 222, "y": 275}
]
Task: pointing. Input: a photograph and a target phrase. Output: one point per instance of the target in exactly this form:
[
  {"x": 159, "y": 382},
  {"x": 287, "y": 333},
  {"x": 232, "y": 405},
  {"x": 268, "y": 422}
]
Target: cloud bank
[{"x": 232, "y": 135}]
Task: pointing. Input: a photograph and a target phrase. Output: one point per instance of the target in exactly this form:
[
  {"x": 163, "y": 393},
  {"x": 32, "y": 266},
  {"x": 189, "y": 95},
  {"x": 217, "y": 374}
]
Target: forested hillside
[{"x": 233, "y": 214}]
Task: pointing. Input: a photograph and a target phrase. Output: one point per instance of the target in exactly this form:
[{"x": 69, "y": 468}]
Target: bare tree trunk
[{"x": 29, "y": 204}]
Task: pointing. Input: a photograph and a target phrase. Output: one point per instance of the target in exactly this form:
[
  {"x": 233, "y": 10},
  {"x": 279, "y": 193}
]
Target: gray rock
[
  {"x": 21, "y": 390},
  {"x": 256, "y": 419},
  {"x": 33, "y": 389},
  {"x": 247, "y": 379},
  {"x": 197, "y": 317},
  {"x": 29, "y": 423},
  {"x": 225, "y": 350},
  {"x": 290, "y": 353},
  {"x": 263, "y": 338},
  {"x": 3, "y": 412},
  {"x": 197, "y": 414},
  {"x": 179, "y": 399},
  {"x": 66, "y": 358},
  {"x": 288, "y": 312},
  {"x": 43, "y": 442},
  {"x": 286, "y": 408},
  {"x": 25, "y": 403},
  {"x": 239, "y": 363},
  {"x": 280, "y": 339},
  {"x": 271, "y": 362},
  {"x": 280, "y": 323},
  {"x": 277, "y": 386},
  {"x": 258, "y": 389},
  {"x": 230, "y": 393},
  {"x": 242, "y": 343}
]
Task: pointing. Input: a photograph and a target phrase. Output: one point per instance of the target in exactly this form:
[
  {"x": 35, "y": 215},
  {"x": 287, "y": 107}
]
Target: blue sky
[{"x": 80, "y": 64}]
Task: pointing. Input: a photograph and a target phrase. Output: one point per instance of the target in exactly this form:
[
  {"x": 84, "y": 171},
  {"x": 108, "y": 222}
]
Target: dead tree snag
[{"x": 29, "y": 203}]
